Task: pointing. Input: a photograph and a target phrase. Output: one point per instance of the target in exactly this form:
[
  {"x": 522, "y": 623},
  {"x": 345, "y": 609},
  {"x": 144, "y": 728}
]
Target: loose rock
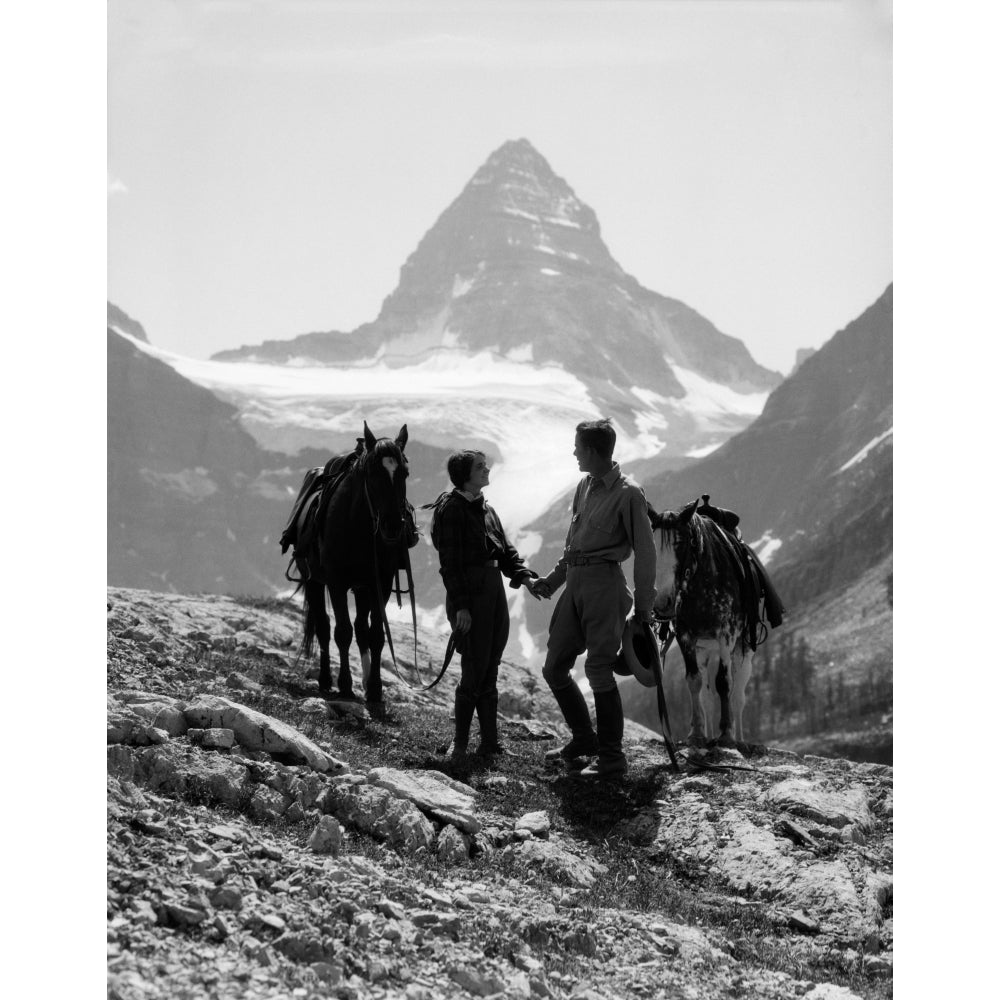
[{"x": 326, "y": 838}]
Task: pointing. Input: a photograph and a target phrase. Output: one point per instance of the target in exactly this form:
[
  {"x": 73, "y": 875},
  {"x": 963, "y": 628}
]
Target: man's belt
[
  {"x": 589, "y": 561},
  {"x": 495, "y": 563}
]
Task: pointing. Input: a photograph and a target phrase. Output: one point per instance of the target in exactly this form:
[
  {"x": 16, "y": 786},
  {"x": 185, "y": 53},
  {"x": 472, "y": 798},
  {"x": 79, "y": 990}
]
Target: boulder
[
  {"x": 226, "y": 897},
  {"x": 830, "y": 991},
  {"x": 377, "y": 811},
  {"x": 755, "y": 862},
  {"x": 817, "y": 801},
  {"x": 218, "y": 739},
  {"x": 255, "y": 731},
  {"x": 268, "y": 804},
  {"x": 168, "y": 768},
  {"x": 555, "y": 861},
  {"x": 480, "y": 984},
  {"x": 537, "y": 824},
  {"x": 453, "y": 846},
  {"x": 301, "y": 946},
  {"x": 315, "y": 706},
  {"x": 120, "y": 763},
  {"x": 435, "y": 793},
  {"x": 158, "y": 710},
  {"x": 326, "y": 837},
  {"x": 241, "y": 682},
  {"x": 180, "y": 915}
]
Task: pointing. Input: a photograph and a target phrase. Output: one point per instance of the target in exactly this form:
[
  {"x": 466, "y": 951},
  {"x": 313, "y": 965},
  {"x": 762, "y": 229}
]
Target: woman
[{"x": 474, "y": 552}]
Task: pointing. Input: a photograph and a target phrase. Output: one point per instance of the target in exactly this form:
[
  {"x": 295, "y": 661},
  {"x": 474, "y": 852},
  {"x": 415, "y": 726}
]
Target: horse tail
[{"x": 308, "y": 623}]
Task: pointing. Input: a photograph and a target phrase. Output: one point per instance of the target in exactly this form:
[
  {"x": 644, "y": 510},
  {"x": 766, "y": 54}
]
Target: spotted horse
[{"x": 715, "y": 606}]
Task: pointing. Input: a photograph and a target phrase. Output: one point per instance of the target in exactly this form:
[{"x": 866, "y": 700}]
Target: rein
[{"x": 399, "y": 592}]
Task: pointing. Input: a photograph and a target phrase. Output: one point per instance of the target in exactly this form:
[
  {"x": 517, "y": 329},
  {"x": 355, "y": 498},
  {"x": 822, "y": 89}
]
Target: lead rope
[
  {"x": 449, "y": 652},
  {"x": 661, "y": 700}
]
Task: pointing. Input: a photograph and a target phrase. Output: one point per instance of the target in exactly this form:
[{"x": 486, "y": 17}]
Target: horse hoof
[
  {"x": 698, "y": 742},
  {"x": 726, "y": 741}
]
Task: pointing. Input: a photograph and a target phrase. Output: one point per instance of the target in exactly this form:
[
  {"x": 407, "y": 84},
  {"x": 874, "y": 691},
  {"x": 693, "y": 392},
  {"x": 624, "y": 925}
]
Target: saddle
[
  {"x": 755, "y": 584},
  {"x": 301, "y": 533},
  {"x": 309, "y": 493}
]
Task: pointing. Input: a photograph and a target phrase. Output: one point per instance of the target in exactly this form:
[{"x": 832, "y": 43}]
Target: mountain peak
[
  {"x": 516, "y": 219},
  {"x": 517, "y": 153},
  {"x": 516, "y": 267},
  {"x": 516, "y": 147}
]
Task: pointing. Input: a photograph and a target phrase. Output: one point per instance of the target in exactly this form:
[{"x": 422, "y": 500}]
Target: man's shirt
[{"x": 610, "y": 522}]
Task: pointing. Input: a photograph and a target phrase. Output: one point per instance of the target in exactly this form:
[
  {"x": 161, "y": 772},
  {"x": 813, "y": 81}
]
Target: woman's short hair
[
  {"x": 599, "y": 435},
  {"x": 460, "y": 466}
]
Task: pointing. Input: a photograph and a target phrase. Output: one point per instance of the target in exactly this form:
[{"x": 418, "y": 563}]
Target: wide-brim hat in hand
[{"x": 639, "y": 655}]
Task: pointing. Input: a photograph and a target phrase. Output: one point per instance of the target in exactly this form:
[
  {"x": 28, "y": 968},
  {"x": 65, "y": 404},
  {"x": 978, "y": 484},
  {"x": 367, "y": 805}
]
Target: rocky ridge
[{"x": 265, "y": 842}]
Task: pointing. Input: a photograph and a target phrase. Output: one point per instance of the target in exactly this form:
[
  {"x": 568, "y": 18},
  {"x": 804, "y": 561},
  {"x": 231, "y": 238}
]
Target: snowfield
[{"x": 521, "y": 412}]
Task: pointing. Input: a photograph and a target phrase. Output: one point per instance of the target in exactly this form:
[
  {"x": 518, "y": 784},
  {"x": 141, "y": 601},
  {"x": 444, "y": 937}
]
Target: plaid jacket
[{"x": 469, "y": 534}]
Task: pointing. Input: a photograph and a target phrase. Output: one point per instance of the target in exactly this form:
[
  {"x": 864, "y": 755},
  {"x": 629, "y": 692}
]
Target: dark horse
[
  {"x": 364, "y": 529},
  {"x": 719, "y": 587}
]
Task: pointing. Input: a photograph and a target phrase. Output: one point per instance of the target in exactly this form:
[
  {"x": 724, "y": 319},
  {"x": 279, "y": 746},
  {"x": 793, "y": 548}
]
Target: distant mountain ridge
[
  {"x": 823, "y": 441},
  {"x": 194, "y": 503},
  {"x": 121, "y": 320}
]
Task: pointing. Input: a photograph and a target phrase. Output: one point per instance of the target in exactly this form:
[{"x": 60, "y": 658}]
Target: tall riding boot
[
  {"x": 611, "y": 763},
  {"x": 465, "y": 708},
  {"x": 486, "y": 708},
  {"x": 574, "y": 709}
]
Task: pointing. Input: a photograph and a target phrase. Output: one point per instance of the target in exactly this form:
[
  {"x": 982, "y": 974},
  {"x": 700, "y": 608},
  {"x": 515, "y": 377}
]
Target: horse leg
[
  {"x": 374, "y": 618},
  {"x": 362, "y": 632},
  {"x": 692, "y": 674},
  {"x": 723, "y": 684},
  {"x": 318, "y": 625},
  {"x": 742, "y": 665},
  {"x": 342, "y": 635}
]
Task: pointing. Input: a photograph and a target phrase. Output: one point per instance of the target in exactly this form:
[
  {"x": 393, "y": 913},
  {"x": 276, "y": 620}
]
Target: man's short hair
[
  {"x": 460, "y": 466},
  {"x": 599, "y": 435}
]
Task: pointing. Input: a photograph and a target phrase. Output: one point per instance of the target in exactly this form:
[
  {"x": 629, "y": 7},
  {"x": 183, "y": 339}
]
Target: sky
[{"x": 271, "y": 165}]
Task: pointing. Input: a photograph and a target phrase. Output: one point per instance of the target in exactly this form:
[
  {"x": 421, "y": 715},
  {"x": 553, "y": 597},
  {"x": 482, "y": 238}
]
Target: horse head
[
  {"x": 681, "y": 539},
  {"x": 676, "y": 526},
  {"x": 384, "y": 469}
]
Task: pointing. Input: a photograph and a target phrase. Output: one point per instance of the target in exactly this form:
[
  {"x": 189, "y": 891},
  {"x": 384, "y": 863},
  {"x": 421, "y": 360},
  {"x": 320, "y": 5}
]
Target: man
[
  {"x": 475, "y": 554},
  {"x": 610, "y": 522}
]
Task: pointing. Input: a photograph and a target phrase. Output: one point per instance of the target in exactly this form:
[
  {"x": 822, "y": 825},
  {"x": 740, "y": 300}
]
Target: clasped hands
[{"x": 538, "y": 589}]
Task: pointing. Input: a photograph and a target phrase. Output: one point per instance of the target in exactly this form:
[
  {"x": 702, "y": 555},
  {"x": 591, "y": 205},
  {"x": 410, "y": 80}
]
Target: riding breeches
[
  {"x": 589, "y": 616},
  {"x": 485, "y": 642}
]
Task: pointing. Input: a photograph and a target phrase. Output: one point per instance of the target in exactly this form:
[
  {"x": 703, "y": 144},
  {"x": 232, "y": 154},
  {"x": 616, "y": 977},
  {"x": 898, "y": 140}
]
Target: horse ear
[
  {"x": 402, "y": 437},
  {"x": 369, "y": 438},
  {"x": 684, "y": 514}
]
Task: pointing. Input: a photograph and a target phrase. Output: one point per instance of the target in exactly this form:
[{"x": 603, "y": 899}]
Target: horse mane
[
  {"x": 714, "y": 550},
  {"x": 701, "y": 538}
]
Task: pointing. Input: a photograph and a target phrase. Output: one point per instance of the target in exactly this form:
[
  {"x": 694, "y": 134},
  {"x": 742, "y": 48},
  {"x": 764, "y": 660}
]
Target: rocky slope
[
  {"x": 811, "y": 477},
  {"x": 264, "y": 842}
]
